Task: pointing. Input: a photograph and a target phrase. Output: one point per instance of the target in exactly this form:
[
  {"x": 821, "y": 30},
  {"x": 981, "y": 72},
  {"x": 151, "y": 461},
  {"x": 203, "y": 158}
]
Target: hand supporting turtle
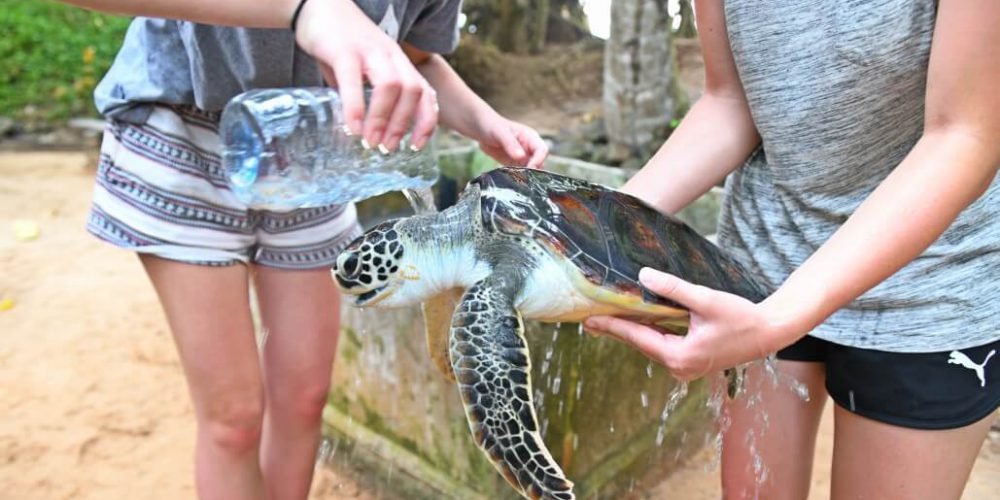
[{"x": 725, "y": 330}]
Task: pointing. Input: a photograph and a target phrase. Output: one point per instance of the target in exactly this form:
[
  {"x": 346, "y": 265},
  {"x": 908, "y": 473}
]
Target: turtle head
[{"x": 373, "y": 269}]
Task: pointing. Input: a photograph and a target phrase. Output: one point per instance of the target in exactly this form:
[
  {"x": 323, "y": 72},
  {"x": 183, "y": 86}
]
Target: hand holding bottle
[{"x": 351, "y": 49}]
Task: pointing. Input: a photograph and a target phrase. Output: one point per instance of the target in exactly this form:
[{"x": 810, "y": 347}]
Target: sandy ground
[{"x": 93, "y": 398}]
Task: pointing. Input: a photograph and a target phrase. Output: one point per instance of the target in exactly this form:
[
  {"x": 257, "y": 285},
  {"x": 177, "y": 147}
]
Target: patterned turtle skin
[{"x": 526, "y": 244}]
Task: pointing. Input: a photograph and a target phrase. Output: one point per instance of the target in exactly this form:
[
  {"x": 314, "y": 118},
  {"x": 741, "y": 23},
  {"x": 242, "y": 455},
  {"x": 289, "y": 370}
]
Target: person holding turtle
[
  {"x": 860, "y": 141},
  {"x": 160, "y": 193}
]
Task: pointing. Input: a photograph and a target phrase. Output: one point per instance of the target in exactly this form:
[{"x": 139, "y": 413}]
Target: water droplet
[
  {"x": 800, "y": 389},
  {"x": 649, "y": 370},
  {"x": 324, "y": 452},
  {"x": 645, "y": 399},
  {"x": 555, "y": 384},
  {"x": 579, "y": 388},
  {"x": 579, "y": 329},
  {"x": 677, "y": 394},
  {"x": 262, "y": 338}
]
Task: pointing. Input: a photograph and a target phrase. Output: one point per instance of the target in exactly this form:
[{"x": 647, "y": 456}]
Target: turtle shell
[{"x": 608, "y": 235}]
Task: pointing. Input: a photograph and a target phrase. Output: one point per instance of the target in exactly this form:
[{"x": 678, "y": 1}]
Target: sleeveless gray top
[{"x": 836, "y": 89}]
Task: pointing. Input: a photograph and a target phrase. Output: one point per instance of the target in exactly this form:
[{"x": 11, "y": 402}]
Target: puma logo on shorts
[{"x": 959, "y": 358}]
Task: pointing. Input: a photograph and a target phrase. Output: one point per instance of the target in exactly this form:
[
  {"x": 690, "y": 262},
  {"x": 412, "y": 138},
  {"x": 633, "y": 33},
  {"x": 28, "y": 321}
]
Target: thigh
[
  {"x": 300, "y": 311},
  {"x": 771, "y": 426},
  {"x": 876, "y": 460},
  {"x": 209, "y": 315}
]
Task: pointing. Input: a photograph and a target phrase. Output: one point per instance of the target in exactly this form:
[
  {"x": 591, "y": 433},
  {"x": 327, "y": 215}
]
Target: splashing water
[
  {"x": 771, "y": 368},
  {"x": 752, "y": 400},
  {"x": 421, "y": 199},
  {"x": 677, "y": 394}
]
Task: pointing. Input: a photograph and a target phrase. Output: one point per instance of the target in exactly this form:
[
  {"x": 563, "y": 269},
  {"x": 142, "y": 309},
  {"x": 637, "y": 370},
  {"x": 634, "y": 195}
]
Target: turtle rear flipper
[
  {"x": 492, "y": 368},
  {"x": 438, "y": 311}
]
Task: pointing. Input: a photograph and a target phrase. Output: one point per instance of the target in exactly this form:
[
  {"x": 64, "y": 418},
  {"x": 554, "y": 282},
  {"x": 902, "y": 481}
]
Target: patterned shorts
[{"x": 160, "y": 190}]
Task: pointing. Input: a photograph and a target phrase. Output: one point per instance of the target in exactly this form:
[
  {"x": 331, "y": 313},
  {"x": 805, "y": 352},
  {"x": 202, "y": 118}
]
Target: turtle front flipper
[
  {"x": 438, "y": 311},
  {"x": 492, "y": 368}
]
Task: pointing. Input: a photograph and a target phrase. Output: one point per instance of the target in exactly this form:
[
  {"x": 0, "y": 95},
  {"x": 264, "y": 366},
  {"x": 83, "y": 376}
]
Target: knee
[
  {"x": 235, "y": 424},
  {"x": 304, "y": 403}
]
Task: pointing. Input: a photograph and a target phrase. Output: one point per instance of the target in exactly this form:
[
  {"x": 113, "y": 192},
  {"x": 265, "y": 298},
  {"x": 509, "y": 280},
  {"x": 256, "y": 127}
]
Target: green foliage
[{"x": 51, "y": 57}]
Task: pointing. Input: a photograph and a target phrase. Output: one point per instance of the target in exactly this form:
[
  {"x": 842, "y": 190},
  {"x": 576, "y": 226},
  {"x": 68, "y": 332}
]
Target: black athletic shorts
[{"x": 934, "y": 390}]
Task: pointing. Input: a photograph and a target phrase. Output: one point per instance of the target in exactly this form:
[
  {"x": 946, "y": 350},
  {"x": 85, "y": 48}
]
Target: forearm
[
  {"x": 715, "y": 138},
  {"x": 945, "y": 172},
  {"x": 461, "y": 108},
  {"x": 251, "y": 14}
]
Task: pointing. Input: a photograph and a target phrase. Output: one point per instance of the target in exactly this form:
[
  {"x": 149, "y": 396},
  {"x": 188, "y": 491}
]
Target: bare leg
[
  {"x": 880, "y": 461},
  {"x": 301, "y": 312},
  {"x": 785, "y": 444},
  {"x": 208, "y": 311}
]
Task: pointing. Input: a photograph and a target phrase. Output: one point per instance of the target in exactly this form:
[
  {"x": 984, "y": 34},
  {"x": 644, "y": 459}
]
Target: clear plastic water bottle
[{"x": 286, "y": 148}]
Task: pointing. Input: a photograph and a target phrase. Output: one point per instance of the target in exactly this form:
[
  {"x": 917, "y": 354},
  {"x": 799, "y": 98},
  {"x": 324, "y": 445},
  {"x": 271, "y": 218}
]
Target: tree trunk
[
  {"x": 687, "y": 28},
  {"x": 640, "y": 96},
  {"x": 521, "y": 26},
  {"x": 541, "y": 24}
]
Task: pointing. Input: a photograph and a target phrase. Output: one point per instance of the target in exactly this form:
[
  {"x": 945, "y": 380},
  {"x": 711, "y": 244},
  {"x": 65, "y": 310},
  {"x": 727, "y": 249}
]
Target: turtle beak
[{"x": 369, "y": 298}]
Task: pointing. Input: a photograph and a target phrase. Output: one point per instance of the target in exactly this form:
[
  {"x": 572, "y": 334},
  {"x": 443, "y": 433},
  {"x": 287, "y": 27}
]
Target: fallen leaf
[{"x": 25, "y": 230}]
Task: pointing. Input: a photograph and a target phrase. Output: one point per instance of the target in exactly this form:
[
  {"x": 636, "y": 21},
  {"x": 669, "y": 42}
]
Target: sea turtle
[{"x": 525, "y": 244}]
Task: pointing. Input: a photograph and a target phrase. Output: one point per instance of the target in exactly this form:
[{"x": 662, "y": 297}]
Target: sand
[{"x": 93, "y": 397}]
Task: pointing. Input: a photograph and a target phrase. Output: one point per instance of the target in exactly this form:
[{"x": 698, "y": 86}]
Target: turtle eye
[{"x": 350, "y": 266}]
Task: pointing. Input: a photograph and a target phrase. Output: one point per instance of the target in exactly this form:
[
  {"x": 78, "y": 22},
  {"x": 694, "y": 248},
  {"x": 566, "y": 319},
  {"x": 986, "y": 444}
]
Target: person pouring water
[{"x": 160, "y": 192}]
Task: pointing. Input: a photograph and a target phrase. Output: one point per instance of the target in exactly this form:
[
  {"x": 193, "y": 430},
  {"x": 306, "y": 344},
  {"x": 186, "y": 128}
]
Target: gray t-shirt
[
  {"x": 836, "y": 90},
  {"x": 178, "y": 62}
]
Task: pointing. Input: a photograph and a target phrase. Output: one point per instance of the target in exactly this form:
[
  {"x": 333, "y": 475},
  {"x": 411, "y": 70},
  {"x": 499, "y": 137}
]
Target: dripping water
[{"x": 677, "y": 394}]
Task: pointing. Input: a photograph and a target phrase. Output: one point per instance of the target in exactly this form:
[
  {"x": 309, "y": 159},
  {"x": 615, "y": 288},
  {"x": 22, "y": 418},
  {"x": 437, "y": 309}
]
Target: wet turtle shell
[{"x": 609, "y": 235}]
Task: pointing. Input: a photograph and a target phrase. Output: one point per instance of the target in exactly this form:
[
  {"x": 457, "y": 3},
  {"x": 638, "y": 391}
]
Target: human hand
[
  {"x": 725, "y": 330},
  {"x": 350, "y": 49},
  {"x": 510, "y": 142}
]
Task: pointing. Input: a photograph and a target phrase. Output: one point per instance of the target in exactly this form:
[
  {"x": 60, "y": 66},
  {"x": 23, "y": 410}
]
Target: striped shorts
[{"x": 160, "y": 190}]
